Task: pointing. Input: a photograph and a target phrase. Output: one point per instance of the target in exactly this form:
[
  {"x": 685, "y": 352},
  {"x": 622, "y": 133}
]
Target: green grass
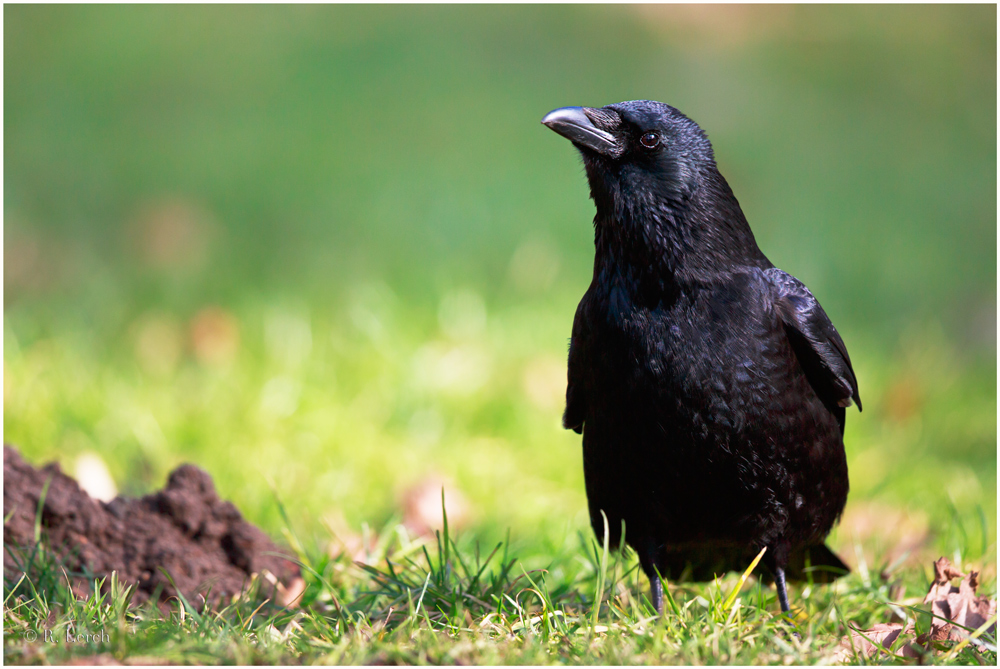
[
  {"x": 339, "y": 453},
  {"x": 391, "y": 249},
  {"x": 341, "y": 412},
  {"x": 445, "y": 601}
]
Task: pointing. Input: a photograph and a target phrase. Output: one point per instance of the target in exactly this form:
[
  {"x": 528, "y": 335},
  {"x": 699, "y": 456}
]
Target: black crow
[{"x": 710, "y": 386}]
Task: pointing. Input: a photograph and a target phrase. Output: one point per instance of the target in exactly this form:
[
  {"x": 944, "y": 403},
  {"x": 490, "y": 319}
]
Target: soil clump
[{"x": 203, "y": 542}]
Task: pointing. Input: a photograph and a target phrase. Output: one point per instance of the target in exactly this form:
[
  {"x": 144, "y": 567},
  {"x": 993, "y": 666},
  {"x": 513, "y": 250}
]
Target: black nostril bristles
[{"x": 603, "y": 118}]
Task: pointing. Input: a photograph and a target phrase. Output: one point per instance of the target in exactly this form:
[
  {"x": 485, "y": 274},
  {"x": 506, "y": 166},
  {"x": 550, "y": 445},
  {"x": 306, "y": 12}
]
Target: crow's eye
[{"x": 650, "y": 140}]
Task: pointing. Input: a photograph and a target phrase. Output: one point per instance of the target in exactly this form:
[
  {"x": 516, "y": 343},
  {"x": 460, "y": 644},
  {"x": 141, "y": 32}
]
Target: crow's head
[
  {"x": 652, "y": 171},
  {"x": 639, "y": 147}
]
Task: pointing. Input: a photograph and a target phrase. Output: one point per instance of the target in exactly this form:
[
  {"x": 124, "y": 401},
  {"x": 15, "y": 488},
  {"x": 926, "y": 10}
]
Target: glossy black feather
[
  {"x": 708, "y": 385},
  {"x": 817, "y": 343}
]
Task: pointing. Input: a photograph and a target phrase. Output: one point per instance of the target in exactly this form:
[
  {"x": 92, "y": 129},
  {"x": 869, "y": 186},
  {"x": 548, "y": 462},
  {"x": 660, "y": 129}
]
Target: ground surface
[
  {"x": 330, "y": 255},
  {"x": 179, "y": 577}
]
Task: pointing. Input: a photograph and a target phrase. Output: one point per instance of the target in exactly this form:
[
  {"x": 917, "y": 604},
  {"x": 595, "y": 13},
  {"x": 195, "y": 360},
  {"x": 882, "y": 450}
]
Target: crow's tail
[
  {"x": 703, "y": 564},
  {"x": 816, "y": 562}
]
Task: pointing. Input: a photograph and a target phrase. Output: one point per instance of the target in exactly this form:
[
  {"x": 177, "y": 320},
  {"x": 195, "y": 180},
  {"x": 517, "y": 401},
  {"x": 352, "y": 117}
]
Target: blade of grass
[
  {"x": 743, "y": 579},
  {"x": 444, "y": 516},
  {"x": 185, "y": 604},
  {"x": 847, "y": 629},
  {"x": 595, "y": 616},
  {"x": 38, "y": 511}
]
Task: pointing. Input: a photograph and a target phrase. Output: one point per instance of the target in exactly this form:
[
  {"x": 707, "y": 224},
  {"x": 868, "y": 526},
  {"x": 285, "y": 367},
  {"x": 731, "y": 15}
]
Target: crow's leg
[
  {"x": 656, "y": 592},
  {"x": 647, "y": 559},
  {"x": 776, "y": 559},
  {"x": 779, "y": 581},
  {"x": 778, "y": 562}
]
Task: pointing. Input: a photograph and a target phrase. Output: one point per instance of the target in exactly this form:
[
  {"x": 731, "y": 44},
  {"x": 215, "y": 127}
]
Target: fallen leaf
[
  {"x": 952, "y": 607},
  {"x": 867, "y": 642},
  {"x": 959, "y": 605},
  {"x": 290, "y": 596}
]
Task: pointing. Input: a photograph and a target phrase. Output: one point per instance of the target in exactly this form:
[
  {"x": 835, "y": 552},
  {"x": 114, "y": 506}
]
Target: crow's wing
[
  {"x": 816, "y": 343},
  {"x": 576, "y": 407}
]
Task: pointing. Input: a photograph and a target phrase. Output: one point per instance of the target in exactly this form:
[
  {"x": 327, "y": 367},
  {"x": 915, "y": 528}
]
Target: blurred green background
[{"x": 330, "y": 252}]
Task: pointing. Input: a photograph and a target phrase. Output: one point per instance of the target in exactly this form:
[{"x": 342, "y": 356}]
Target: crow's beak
[{"x": 574, "y": 124}]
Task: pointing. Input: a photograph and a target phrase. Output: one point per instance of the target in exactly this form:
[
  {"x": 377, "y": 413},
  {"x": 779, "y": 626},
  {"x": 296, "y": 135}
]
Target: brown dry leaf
[
  {"x": 290, "y": 596},
  {"x": 960, "y": 605},
  {"x": 883, "y": 634}
]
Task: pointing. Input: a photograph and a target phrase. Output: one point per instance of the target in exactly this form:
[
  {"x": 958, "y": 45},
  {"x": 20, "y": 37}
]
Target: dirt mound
[{"x": 204, "y": 543}]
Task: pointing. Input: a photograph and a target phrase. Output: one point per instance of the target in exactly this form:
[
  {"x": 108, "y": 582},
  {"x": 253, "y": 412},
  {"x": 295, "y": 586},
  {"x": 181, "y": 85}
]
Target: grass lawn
[
  {"x": 327, "y": 471},
  {"x": 329, "y": 255},
  {"x": 445, "y": 601}
]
